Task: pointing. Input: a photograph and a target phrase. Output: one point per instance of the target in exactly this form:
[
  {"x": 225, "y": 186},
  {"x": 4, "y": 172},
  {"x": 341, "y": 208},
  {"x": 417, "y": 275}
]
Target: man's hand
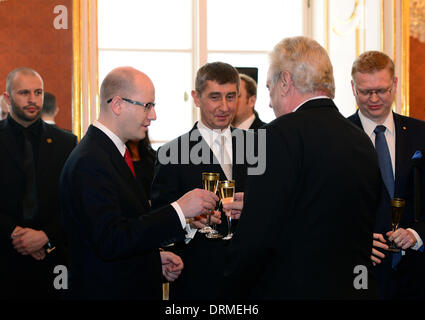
[
  {"x": 27, "y": 240},
  {"x": 197, "y": 202},
  {"x": 378, "y": 242},
  {"x": 236, "y": 206},
  {"x": 200, "y": 222},
  {"x": 403, "y": 238},
  {"x": 39, "y": 255},
  {"x": 172, "y": 265}
]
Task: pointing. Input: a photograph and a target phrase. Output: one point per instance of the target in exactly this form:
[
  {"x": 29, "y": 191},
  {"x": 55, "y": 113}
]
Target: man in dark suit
[
  {"x": 179, "y": 168},
  {"x": 374, "y": 87},
  {"x": 113, "y": 238},
  {"x": 245, "y": 116},
  {"x": 305, "y": 228},
  {"x": 50, "y": 108},
  {"x": 30, "y": 222}
]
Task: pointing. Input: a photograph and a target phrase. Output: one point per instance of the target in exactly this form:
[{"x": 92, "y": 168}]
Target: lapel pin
[
  {"x": 49, "y": 140},
  {"x": 404, "y": 128}
]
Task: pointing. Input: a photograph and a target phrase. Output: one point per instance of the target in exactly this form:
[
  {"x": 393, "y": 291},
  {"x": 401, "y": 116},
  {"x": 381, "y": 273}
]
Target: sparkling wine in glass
[
  {"x": 397, "y": 208},
  {"x": 209, "y": 182},
  {"x": 227, "y": 192}
]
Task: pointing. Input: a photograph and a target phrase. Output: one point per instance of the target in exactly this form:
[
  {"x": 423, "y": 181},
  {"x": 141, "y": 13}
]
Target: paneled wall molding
[
  {"x": 85, "y": 65},
  {"x": 349, "y": 27}
]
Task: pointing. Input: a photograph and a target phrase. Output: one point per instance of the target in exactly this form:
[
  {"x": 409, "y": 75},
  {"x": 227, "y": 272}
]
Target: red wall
[
  {"x": 28, "y": 38},
  {"x": 417, "y": 79}
]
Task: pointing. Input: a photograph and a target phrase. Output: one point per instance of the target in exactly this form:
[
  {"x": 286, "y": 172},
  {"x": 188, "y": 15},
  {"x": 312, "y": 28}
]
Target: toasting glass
[
  {"x": 397, "y": 208},
  {"x": 209, "y": 182},
  {"x": 227, "y": 192}
]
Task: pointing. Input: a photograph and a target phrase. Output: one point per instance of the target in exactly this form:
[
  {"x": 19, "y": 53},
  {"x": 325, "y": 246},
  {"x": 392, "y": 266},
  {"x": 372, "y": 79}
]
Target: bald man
[
  {"x": 30, "y": 222},
  {"x": 113, "y": 239}
]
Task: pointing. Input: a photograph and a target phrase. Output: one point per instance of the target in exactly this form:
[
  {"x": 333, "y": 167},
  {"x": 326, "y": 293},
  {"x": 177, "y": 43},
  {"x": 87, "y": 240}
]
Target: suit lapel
[
  {"x": 401, "y": 147},
  {"x": 120, "y": 165},
  {"x": 46, "y": 147}
]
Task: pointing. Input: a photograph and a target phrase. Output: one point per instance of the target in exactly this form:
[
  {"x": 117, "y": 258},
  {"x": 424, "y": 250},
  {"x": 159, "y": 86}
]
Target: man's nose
[{"x": 152, "y": 114}]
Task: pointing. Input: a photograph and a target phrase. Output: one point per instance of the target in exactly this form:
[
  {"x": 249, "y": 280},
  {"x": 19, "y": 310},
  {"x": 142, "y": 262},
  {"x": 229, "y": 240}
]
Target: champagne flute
[
  {"x": 209, "y": 182},
  {"x": 214, "y": 234},
  {"x": 227, "y": 192},
  {"x": 397, "y": 208}
]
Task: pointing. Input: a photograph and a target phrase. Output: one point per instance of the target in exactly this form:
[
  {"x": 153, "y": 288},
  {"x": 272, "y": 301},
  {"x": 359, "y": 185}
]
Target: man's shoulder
[
  {"x": 413, "y": 122},
  {"x": 58, "y": 132}
]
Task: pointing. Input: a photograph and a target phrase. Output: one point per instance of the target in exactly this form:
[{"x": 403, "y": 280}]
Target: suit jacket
[
  {"x": 23, "y": 276},
  {"x": 307, "y": 221},
  {"x": 257, "y": 122},
  {"x": 113, "y": 240},
  {"x": 408, "y": 281},
  {"x": 203, "y": 258}
]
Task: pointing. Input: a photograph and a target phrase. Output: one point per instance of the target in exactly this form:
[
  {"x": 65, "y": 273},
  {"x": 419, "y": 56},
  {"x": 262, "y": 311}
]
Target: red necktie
[{"x": 127, "y": 158}]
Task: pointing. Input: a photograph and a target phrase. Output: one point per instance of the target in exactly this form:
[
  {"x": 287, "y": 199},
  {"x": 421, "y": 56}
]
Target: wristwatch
[{"x": 49, "y": 248}]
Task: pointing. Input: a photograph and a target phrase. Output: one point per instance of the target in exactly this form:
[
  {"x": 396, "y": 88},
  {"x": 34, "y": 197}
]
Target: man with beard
[{"x": 32, "y": 156}]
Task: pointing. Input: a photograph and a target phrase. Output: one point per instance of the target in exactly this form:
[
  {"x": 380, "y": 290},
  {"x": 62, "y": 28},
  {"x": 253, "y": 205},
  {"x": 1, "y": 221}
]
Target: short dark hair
[
  {"x": 220, "y": 72},
  {"x": 49, "y": 104},
  {"x": 250, "y": 85}
]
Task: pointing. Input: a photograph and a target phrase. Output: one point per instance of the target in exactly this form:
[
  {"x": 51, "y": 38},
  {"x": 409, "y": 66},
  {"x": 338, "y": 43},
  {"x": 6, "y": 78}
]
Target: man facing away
[
  {"x": 245, "y": 116},
  {"x": 50, "y": 108},
  {"x": 113, "y": 237},
  {"x": 305, "y": 228}
]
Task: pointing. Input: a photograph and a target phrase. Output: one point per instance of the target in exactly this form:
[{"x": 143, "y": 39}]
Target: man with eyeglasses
[
  {"x": 113, "y": 236},
  {"x": 397, "y": 139}
]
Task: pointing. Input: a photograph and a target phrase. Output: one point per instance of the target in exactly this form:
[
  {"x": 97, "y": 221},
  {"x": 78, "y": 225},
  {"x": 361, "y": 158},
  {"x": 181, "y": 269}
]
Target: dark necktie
[
  {"x": 384, "y": 159},
  {"x": 127, "y": 158},
  {"x": 386, "y": 167},
  {"x": 29, "y": 204}
]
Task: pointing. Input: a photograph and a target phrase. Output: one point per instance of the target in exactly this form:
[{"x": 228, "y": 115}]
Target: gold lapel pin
[
  {"x": 404, "y": 128},
  {"x": 49, "y": 140}
]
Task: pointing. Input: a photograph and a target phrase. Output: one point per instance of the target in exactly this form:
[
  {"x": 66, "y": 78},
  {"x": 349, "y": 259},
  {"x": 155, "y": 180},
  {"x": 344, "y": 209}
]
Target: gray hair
[{"x": 306, "y": 61}]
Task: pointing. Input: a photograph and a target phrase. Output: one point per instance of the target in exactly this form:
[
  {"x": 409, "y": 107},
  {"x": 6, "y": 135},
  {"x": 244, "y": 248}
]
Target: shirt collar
[
  {"x": 370, "y": 125},
  {"x": 314, "y": 98},
  {"x": 247, "y": 122},
  {"x": 34, "y": 128},
  {"x": 211, "y": 135},
  {"x": 117, "y": 141}
]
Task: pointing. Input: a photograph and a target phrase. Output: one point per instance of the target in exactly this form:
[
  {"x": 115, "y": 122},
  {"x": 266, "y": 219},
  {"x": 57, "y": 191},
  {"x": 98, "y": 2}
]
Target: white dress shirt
[
  {"x": 121, "y": 148},
  {"x": 212, "y": 138},
  {"x": 247, "y": 122}
]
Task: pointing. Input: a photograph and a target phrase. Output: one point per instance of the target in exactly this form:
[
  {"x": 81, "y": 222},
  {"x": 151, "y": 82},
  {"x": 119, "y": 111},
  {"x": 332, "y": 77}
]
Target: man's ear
[
  {"x": 196, "y": 98},
  {"x": 352, "y": 88},
  {"x": 6, "y": 97},
  {"x": 395, "y": 83},
  {"x": 116, "y": 105},
  {"x": 252, "y": 100},
  {"x": 285, "y": 81}
]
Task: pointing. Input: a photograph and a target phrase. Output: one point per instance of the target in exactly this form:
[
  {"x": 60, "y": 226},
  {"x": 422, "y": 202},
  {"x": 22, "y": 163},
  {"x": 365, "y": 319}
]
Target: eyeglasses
[
  {"x": 148, "y": 106},
  {"x": 381, "y": 93}
]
